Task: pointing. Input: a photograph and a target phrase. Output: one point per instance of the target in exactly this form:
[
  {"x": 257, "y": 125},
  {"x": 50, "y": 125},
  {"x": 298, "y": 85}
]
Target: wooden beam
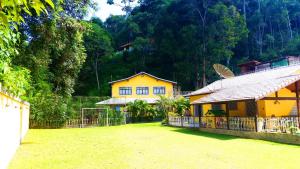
[{"x": 279, "y": 98}]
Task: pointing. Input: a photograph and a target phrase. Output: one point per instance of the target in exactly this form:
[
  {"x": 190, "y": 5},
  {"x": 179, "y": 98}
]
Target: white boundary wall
[{"x": 14, "y": 124}]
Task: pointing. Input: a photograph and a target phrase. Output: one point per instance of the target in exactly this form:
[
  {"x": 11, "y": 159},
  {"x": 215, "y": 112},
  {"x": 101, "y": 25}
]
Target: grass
[{"x": 148, "y": 146}]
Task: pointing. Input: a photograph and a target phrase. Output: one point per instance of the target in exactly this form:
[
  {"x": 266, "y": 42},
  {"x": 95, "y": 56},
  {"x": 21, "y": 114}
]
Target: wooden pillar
[
  {"x": 227, "y": 115},
  {"x": 194, "y": 119},
  {"x": 256, "y": 116},
  {"x": 297, "y": 102},
  {"x": 200, "y": 114}
]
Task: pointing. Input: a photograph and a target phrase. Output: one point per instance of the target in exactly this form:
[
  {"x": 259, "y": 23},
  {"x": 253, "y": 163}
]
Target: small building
[
  {"x": 141, "y": 86},
  {"x": 265, "y": 97}
]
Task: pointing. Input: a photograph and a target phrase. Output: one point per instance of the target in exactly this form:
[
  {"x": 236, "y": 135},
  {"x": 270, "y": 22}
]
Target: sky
[{"x": 104, "y": 10}]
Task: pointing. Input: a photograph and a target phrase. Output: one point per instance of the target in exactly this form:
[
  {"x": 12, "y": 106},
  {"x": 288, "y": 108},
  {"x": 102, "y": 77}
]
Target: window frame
[
  {"x": 142, "y": 89},
  {"x": 159, "y": 88},
  {"x": 127, "y": 91}
]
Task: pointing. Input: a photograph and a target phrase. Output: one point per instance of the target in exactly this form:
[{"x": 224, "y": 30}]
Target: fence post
[
  {"x": 199, "y": 120},
  {"x": 107, "y": 117},
  {"x": 255, "y": 120},
  {"x": 81, "y": 126},
  {"x": 181, "y": 120}
]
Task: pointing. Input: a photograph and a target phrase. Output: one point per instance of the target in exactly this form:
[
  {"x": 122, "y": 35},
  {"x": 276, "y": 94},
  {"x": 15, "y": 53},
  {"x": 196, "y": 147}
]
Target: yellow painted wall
[
  {"x": 261, "y": 104},
  {"x": 280, "y": 107},
  {"x": 196, "y": 97},
  {"x": 241, "y": 108},
  {"x": 141, "y": 81},
  {"x": 266, "y": 108}
]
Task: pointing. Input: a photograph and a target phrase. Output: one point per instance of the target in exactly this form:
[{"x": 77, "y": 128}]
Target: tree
[
  {"x": 98, "y": 44},
  {"x": 14, "y": 78},
  {"x": 126, "y": 5},
  {"x": 10, "y": 18},
  {"x": 140, "y": 110},
  {"x": 164, "y": 106},
  {"x": 181, "y": 106}
]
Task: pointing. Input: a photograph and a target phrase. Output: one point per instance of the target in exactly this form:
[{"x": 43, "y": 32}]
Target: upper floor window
[
  {"x": 125, "y": 91},
  {"x": 142, "y": 90},
  {"x": 159, "y": 90}
]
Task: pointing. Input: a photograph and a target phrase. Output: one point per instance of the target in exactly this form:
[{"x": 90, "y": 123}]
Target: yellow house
[
  {"x": 264, "y": 95},
  {"x": 141, "y": 86}
]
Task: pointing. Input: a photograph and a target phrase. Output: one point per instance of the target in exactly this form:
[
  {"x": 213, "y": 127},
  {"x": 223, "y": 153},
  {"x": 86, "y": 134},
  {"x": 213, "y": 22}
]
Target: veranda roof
[
  {"x": 123, "y": 101},
  {"x": 250, "y": 86}
]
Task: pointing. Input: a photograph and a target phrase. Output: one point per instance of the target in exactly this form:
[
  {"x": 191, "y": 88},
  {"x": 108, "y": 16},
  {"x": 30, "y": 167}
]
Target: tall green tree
[{"x": 98, "y": 44}]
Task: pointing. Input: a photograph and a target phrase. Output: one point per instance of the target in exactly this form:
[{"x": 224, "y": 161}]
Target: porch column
[
  {"x": 256, "y": 116},
  {"x": 200, "y": 114},
  {"x": 227, "y": 115},
  {"x": 297, "y": 102}
]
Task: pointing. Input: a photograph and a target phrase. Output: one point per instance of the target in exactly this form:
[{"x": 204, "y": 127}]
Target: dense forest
[
  {"x": 181, "y": 39},
  {"x": 50, "y": 52}
]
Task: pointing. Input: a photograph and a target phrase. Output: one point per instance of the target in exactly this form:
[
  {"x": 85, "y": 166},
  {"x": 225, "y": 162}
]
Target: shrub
[
  {"x": 140, "y": 110},
  {"x": 47, "y": 107},
  {"x": 181, "y": 106}
]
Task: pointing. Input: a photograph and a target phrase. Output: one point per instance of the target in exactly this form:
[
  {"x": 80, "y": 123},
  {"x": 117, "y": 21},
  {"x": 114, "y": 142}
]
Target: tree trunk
[
  {"x": 244, "y": 10},
  {"x": 281, "y": 36},
  {"x": 288, "y": 22},
  {"x": 96, "y": 72},
  {"x": 245, "y": 18},
  {"x": 204, "y": 72}
]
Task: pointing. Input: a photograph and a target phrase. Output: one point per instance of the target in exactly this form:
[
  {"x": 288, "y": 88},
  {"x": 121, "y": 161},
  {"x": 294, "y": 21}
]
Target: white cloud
[{"x": 104, "y": 10}]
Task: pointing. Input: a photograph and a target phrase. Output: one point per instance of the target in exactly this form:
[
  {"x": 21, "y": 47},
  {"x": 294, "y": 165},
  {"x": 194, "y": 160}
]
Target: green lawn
[{"x": 148, "y": 146}]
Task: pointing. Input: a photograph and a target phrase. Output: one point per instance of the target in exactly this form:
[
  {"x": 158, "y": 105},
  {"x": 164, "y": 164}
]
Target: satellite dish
[{"x": 223, "y": 71}]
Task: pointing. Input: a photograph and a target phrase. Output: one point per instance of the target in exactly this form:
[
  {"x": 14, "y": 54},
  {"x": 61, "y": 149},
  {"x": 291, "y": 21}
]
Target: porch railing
[
  {"x": 277, "y": 124},
  {"x": 260, "y": 124},
  {"x": 242, "y": 123},
  {"x": 185, "y": 121}
]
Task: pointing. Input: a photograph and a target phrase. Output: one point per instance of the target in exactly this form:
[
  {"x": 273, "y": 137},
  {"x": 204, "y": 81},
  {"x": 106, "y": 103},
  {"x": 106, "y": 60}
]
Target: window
[
  {"x": 216, "y": 107},
  {"x": 142, "y": 90},
  {"x": 125, "y": 91},
  {"x": 232, "y": 106},
  {"x": 159, "y": 90},
  {"x": 118, "y": 108},
  {"x": 197, "y": 110}
]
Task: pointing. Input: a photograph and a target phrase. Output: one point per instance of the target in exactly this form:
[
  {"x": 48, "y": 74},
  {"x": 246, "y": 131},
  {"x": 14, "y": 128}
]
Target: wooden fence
[
  {"x": 78, "y": 123},
  {"x": 260, "y": 124}
]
